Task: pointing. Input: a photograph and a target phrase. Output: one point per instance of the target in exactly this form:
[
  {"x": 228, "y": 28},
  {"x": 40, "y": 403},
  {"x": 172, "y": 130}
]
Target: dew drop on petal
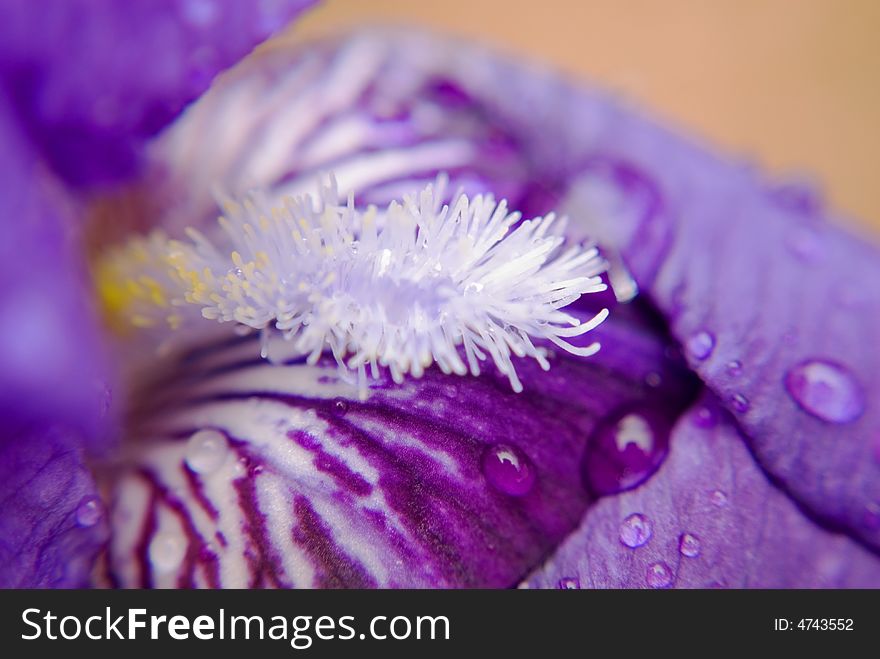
[
  {"x": 705, "y": 417},
  {"x": 700, "y": 345},
  {"x": 89, "y": 511},
  {"x": 653, "y": 380},
  {"x": 718, "y": 499},
  {"x": 826, "y": 390},
  {"x": 625, "y": 448},
  {"x": 740, "y": 403},
  {"x": 689, "y": 545},
  {"x": 206, "y": 451},
  {"x": 734, "y": 368},
  {"x": 508, "y": 470},
  {"x": 658, "y": 575},
  {"x": 340, "y": 406},
  {"x": 166, "y": 552},
  {"x": 636, "y": 530},
  {"x": 569, "y": 583}
]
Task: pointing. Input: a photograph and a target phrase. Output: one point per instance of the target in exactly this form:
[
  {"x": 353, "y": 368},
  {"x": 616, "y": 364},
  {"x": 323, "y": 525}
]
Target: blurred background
[{"x": 793, "y": 84}]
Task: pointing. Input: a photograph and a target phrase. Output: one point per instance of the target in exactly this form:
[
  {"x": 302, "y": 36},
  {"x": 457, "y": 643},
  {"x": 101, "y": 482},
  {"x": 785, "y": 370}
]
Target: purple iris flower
[{"x": 724, "y": 436}]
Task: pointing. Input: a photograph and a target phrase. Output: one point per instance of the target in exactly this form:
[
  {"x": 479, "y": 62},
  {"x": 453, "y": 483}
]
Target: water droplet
[
  {"x": 689, "y": 545},
  {"x": 89, "y": 511},
  {"x": 626, "y": 448},
  {"x": 236, "y": 272},
  {"x": 740, "y": 403},
  {"x": 700, "y": 345},
  {"x": 718, "y": 499},
  {"x": 705, "y": 417},
  {"x": 734, "y": 368},
  {"x": 166, "y": 552},
  {"x": 473, "y": 288},
  {"x": 569, "y": 583},
  {"x": 508, "y": 470},
  {"x": 653, "y": 380},
  {"x": 340, "y": 406},
  {"x": 636, "y": 530},
  {"x": 206, "y": 451},
  {"x": 826, "y": 390},
  {"x": 658, "y": 575}
]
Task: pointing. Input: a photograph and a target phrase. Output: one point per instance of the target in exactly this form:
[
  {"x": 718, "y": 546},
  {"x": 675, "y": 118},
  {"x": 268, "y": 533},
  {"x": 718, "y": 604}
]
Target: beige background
[{"x": 794, "y": 83}]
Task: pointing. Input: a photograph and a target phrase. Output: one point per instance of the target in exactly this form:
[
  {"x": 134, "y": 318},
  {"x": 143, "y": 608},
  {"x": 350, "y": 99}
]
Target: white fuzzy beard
[{"x": 417, "y": 284}]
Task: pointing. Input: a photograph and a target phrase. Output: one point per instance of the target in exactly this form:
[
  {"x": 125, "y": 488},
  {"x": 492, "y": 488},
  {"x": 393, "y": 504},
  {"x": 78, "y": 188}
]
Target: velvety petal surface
[
  {"x": 92, "y": 80},
  {"x": 239, "y": 472},
  {"x": 52, "y": 366},
  {"x": 778, "y": 311},
  {"x": 52, "y": 522},
  {"x": 709, "y": 518}
]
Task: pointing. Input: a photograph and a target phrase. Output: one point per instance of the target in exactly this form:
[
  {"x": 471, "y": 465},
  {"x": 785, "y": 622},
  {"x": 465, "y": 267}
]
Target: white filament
[{"x": 417, "y": 284}]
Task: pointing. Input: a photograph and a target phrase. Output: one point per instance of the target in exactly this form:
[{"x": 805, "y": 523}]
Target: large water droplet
[
  {"x": 340, "y": 406},
  {"x": 89, "y": 511},
  {"x": 658, "y": 575},
  {"x": 636, "y": 530},
  {"x": 700, "y": 345},
  {"x": 569, "y": 583},
  {"x": 826, "y": 390},
  {"x": 166, "y": 552},
  {"x": 689, "y": 545},
  {"x": 625, "y": 449},
  {"x": 206, "y": 451},
  {"x": 508, "y": 470}
]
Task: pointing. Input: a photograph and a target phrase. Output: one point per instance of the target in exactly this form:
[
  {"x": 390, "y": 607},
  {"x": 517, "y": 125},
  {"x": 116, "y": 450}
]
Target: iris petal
[
  {"x": 777, "y": 310},
  {"x": 243, "y": 473},
  {"x": 709, "y": 518},
  {"x": 92, "y": 81},
  {"x": 52, "y": 523}
]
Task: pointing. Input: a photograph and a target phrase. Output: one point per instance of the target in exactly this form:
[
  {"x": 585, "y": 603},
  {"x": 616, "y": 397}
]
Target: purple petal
[
  {"x": 709, "y": 518},
  {"x": 54, "y": 384},
  {"x": 776, "y": 310},
  {"x": 52, "y": 523},
  {"x": 244, "y": 473},
  {"x": 52, "y": 365},
  {"x": 92, "y": 80}
]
